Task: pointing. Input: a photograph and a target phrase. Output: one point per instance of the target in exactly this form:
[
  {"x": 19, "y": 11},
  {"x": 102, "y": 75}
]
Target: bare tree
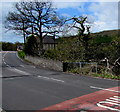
[
  {"x": 36, "y": 18},
  {"x": 83, "y": 27}
]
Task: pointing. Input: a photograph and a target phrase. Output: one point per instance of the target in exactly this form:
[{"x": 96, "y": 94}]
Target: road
[{"x": 28, "y": 87}]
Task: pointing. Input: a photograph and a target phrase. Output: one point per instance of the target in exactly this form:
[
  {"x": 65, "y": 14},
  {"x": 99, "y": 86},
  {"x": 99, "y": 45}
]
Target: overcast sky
[{"x": 102, "y": 13}]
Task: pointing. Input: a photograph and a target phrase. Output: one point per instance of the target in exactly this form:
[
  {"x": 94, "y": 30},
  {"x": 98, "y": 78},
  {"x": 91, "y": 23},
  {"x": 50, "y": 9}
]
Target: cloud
[
  {"x": 66, "y": 4},
  {"x": 105, "y": 15},
  {"x": 66, "y": 15},
  {"x": 11, "y": 36}
]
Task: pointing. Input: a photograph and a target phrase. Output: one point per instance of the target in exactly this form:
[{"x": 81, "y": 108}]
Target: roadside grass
[
  {"x": 108, "y": 76},
  {"x": 101, "y": 75},
  {"x": 21, "y": 54},
  {"x": 85, "y": 71}
]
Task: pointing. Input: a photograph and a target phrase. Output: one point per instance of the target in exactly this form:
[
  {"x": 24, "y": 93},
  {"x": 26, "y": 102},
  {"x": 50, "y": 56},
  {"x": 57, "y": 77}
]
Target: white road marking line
[
  {"x": 4, "y": 60},
  {"x": 115, "y": 98},
  {"x": 4, "y": 63},
  {"x": 110, "y": 108},
  {"x": 32, "y": 66},
  {"x": 57, "y": 80},
  {"x": 11, "y": 78},
  {"x": 8, "y": 66},
  {"x": 0, "y": 109},
  {"x": 22, "y": 65},
  {"x": 18, "y": 57},
  {"x": 104, "y": 89},
  {"x": 109, "y": 101},
  {"x": 19, "y": 71},
  {"x": 112, "y": 100},
  {"x": 51, "y": 78}
]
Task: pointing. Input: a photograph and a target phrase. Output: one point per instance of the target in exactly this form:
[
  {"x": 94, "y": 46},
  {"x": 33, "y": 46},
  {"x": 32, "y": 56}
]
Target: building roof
[{"x": 49, "y": 40}]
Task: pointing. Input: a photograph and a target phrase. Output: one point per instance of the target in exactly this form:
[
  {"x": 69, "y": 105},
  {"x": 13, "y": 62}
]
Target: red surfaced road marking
[{"x": 86, "y": 102}]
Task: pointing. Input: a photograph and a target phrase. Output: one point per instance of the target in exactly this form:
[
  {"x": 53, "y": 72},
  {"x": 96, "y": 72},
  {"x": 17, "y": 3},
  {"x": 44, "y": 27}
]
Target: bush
[
  {"x": 106, "y": 76},
  {"x": 21, "y": 54},
  {"x": 75, "y": 70},
  {"x": 50, "y": 54},
  {"x": 31, "y": 45}
]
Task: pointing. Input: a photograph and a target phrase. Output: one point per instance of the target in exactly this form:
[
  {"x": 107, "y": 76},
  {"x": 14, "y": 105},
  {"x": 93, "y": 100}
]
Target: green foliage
[
  {"x": 75, "y": 70},
  {"x": 99, "y": 39},
  {"x": 86, "y": 72},
  {"x": 69, "y": 49},
  {"x": 7, "y": 46},
  {"x": 116, "y": 70},
  {"x": 21, "y": 54},
  {"x": 51, "y": 54},
  {"x": 106, "y": 76},
  {"x": 66, "y": 50},
  {"x": 31, "y": 46}
]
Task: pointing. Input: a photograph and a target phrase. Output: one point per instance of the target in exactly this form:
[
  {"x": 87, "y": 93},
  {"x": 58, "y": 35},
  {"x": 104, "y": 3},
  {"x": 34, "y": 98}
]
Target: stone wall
[{"x": 46, "y": 63}]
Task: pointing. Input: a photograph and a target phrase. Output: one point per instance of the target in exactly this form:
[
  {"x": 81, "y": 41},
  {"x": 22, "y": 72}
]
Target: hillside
[{"x": 108, "y": 33}]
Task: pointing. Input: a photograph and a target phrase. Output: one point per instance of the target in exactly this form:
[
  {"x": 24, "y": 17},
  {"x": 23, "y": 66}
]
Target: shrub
[
  {"x": 31, "y": 45},
  {"x": 75, "y": 70},
  {"x": 21, "y": 54},
  {"x": 50, "y": 54}
]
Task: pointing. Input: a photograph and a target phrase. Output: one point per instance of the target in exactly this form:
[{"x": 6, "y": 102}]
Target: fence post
[
  {"x": 96, "y": 68},
  {"x": 65, "y": 66},
  {"x": 80, "y": 66}
]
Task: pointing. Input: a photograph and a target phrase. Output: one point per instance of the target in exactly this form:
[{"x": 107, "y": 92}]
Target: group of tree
[
  {"x": 37, "y": 18},
  {"x": 101, "y": 49},
  {"x": 8, "y": 46},
  {"x": 40, "y": 18}
]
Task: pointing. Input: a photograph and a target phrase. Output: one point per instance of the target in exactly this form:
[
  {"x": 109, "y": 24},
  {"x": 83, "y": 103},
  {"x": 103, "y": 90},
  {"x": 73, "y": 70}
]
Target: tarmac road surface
[{"x": 27, "y": 87}]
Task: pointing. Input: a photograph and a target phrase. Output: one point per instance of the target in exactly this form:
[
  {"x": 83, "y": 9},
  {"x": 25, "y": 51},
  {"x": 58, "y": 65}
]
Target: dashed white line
[
  {"x": 22, "y": 65},
  {"x": 51, "y": 79},
  {"x": 4, "y": 63},
  {"x": 104, "y": 89},
  {"x": 20, "y": 71},
  {"x": 57, "y": 80}
]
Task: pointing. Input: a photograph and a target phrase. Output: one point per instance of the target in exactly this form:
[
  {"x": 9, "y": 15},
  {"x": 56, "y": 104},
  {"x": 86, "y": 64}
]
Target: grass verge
[
  {"x": 21, "y": 54},
  {"x": 108, "y": 76},
  {"x": 101, "y": 75}
]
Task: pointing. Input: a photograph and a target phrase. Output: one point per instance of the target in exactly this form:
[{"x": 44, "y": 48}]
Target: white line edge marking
[
  {"x": 109, "y": 101},
  {"x": 115, "y": 99},
  {"x": 4, "y": 60},
  {"x": 112, "y": 101},
  {"x": 12, "y": 78},
  {"x": 116, "y": 96},
  {"x": 103, "y": 106},
  {"x": 0, "y": 109},
  {"x": 14, "y": 68},
  {"x": 104, "y": 89},
  {"x": 20, "y": 71},
  {"x": 18, "y": 57},
  {"x": 51, "y": 78}
]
